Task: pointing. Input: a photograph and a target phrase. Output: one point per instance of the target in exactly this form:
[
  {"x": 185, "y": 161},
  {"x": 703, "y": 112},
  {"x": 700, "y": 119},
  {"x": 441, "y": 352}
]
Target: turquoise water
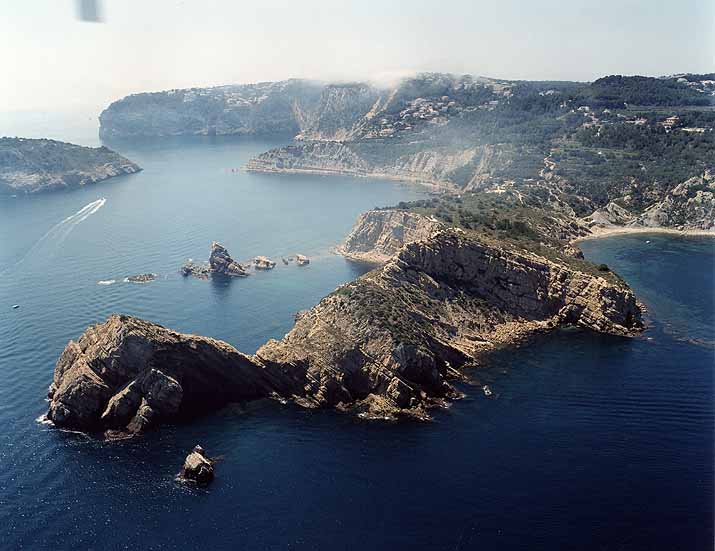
[{"x": 592, "y": 442}]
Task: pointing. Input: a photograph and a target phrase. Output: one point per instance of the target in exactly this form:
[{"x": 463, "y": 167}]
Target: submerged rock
[
  {"x": 263, "y": 263},
  {"x": 197, "y": 467}
]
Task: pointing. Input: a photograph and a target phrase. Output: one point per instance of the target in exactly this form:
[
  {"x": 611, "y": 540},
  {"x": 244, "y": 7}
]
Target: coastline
[
  {"x": 599, "y": 233},
  {"x": 433, "y": 186}
]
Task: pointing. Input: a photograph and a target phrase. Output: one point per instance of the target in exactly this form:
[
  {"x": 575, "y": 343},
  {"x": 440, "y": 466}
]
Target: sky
[{"x": 51, "y": 60}]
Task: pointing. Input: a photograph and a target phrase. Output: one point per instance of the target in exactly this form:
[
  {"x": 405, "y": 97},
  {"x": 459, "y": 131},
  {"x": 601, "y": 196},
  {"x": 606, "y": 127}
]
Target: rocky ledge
[
  {"x": 379, "y": 234},
  {"x": 385, "y": 345},
  {"x": 220, "y": 264},
  {"x": 29, "y": 166}
]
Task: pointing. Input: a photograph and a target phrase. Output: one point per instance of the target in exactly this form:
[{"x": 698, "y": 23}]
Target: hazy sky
[{"x": 51, "y": 60}]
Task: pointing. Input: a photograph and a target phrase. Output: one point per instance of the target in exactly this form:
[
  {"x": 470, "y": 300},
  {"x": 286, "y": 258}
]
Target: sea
[{"x": 588, "y": 441}]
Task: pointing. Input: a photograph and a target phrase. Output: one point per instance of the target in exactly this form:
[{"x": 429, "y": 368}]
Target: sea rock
[
  {"x": 379, "y": 234},
  {"x": 197, "y": 467},
  {"x": 263, "y": 263},
  {"x": 385, "y": 345},
  {"x": 141, "y": 278},
  {"x": 191, "y": 268},
  {"x": 221, "y": 262},
  {"x": 302, "y": 260}
]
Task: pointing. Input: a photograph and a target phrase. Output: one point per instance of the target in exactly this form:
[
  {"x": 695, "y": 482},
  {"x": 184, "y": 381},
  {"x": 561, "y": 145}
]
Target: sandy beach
[{"x": 600, "y": 232}]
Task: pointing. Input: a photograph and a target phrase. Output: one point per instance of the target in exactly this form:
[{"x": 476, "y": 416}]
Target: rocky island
[{"x": 29, "y": 166}]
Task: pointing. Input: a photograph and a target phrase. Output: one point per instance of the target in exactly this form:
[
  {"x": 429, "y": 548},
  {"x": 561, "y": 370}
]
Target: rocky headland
[
  {"x": 29, "y": 166},
  {"x": 386, "y": 345},
  {"x": 379, "y": 234}
]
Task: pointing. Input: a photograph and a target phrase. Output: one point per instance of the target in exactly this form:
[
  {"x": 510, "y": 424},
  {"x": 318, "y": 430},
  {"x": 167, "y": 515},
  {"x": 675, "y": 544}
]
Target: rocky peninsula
[
  {"x": 386, "y": 345},
  {"x": 29, "y": 166}
]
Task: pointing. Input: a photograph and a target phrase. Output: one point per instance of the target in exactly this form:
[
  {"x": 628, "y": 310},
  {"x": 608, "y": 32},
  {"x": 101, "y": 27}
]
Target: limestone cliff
[
  {"x": 387, "y": 344},
  {"x": 29, "y": 166},
  {"x": 379, "y": 234}
]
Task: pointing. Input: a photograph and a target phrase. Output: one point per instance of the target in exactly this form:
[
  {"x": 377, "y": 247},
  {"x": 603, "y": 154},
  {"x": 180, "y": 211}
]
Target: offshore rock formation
[
  {"x": 379, "y": 234},
  {"x": 29, "y": 166},
  {"x": 220, "y": 263},
  {"x": 385, "y": 345},
  {"x": 141, "y": 278},
  {"x": 263, "y": 263},
  {"x": 197, "y": 467}
]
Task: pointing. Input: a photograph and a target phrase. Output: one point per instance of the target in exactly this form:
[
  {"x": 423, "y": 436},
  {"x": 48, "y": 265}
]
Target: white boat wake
[{"x": 56, "y": 235}]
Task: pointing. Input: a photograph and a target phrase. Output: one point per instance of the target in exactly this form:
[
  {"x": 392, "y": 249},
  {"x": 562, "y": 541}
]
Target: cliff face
[
  {"x": 379, "y": 234},
  {"x": 385, "y": 345},
  {"x": 29, "y": 166}
]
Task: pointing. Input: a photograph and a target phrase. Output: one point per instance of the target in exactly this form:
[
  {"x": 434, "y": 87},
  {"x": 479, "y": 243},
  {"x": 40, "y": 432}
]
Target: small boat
[
  {"x": 647, "y": 241},
  {"x": 15, "y": 306},
  {"x": 487, "y": 390}
]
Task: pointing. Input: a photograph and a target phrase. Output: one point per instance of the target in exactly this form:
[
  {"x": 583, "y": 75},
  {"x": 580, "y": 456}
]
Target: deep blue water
[{"x": 592, "y": 442}]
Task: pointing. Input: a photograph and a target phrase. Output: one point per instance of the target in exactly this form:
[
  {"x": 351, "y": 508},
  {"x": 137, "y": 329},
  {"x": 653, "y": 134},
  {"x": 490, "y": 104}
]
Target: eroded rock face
[
  {"x": 379, "y": 234},
  {"x": 387, "y": 344},
  {"x": 127, "y": 374}
]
